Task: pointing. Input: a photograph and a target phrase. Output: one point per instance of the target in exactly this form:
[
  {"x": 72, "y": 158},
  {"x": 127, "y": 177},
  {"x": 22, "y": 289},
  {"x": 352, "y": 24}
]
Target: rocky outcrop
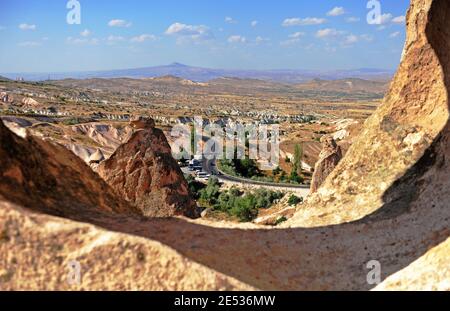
[
  {"x": 38, "y": 174},
  {"x": 412, "y": 118},
  {"x": 108, "y": 136},
  {"x": 29, "y": 102},
  {"x": 96, "y": 157},
  {"x": 145, "y": 174},
  {"x": 386, "y": 201},
  {"x": 329, "y": 158}
]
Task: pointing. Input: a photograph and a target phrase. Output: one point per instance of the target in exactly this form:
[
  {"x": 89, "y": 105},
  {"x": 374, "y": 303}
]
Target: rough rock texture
[
  {"x": 30, "y": 102},
  {"x": 36, "y": 251},
  {"x": 144, "y": 173},
  {"x": 412, "y": 123},
  {"x": 37, "y": 173},
  {"x": 395, "y": 211},
  {"x": 329, "y": 158},
  {"x": 429, "y": 272}
]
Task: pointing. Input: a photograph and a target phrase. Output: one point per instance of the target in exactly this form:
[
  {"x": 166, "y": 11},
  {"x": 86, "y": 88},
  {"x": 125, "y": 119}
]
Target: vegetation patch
[{"x": 233, "y": 202}]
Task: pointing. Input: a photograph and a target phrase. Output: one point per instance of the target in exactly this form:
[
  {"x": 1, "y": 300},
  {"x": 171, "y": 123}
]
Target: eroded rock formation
[
  {"x": 144, "y": 172},
  {"x": 38, "y": 174},
  {"x": 329, "y": 158},
  {"x": 411, "y": 123},
  {"x": 387, "y": 200}
]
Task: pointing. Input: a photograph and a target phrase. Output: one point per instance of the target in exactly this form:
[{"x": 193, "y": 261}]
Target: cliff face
[
  {"x": 411, "y": 123},
  {"x": 329, "y": 158},
  {"x": 144, "y": 173}
]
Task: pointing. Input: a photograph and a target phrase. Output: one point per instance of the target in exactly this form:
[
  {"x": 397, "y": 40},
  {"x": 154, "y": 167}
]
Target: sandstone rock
[
  {"x": 144, "y": 172},
  {"x": 141, "y": 122},
  {"x": 4, "y": 97},
  {"x": 96, "y": 157},
  {"x": 429, "y": 272},
  {"x": 30, "y": 102},
  {"x": 38, "y": 174},
  {"x": 387, "y": 200},
  {"x": 405, "y": 128},
  {"x": 328, "y": 159},
  {"x": 36, "y": 251}
]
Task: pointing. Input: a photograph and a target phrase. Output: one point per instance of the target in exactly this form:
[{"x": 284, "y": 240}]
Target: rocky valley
[{"x": 88, "y": 177}]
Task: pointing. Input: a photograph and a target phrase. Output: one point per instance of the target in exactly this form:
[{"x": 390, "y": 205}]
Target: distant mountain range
[{"x": 200, "y": 74}]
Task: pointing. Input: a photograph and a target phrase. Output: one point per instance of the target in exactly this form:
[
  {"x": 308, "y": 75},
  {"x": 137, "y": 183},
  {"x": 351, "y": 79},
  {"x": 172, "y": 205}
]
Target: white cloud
[
  {"x": 260, "y": 39},
  {"x": 143, "y": 38},
  {"x": 350, "y": 39},
  {"x": 81, "y": 41},
  {"x": 366, "y": 37},
  {"x": 114, "y": 39},
  {"x": 85, "y": 33},
  {"x": 336, "y": 11},
  {"x": 385, "y": 18},
  {"x": 297, "y": 35},
  {"x": 254, "y": 23},
  {"x": 303, "y": 21},
  {"x": 119, "y": 23},
  {"x": 399, "y": 19},
  {"x": 27, "y": 27},
  {"x": 230, "y": 20},
  {"x": 353, "y": 19},
  {"x": 30, "y": 44},
  {"x": 293, "y": 39},
  {"x": 394, "y": 34},
  {"x": 237, "y": 39},
  {"x": 328, "y": 32},
  {"x": 189, "y": 32}
]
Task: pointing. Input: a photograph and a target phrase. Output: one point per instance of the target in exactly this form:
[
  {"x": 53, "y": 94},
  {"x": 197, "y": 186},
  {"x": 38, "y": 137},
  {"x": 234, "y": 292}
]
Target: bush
[
  {"x": 195, "y": 187},
  {"x": 294, "y": 200},
  {"x": 245, "y": 207},
  {"x": 211, "y": 192},
  {"x": 246, "y": 168},
  {"x": 72, "y": 121},
  {"x": 295, "y": 178},
  {"x": 280, "y": 220}
]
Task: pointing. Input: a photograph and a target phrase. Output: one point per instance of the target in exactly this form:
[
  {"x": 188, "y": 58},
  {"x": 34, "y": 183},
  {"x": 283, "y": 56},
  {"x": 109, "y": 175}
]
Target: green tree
[
  {"x": 193, "y": 146},
  {"x": 298, "y": 156},
  {"x": 294, "y": 200},
  {"x": 211, "y": 192}
]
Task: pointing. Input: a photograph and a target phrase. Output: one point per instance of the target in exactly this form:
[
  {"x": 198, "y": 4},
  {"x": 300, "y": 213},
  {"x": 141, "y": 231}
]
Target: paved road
[{"x": 210, "y": 167}]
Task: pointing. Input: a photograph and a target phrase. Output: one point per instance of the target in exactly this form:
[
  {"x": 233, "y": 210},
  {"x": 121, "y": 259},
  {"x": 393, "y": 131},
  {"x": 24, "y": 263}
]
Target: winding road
[{"x": 210, "y": 167}]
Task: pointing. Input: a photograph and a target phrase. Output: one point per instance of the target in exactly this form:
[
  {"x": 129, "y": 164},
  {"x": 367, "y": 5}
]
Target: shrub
[
  {"x": 294, "y": 200},
  {"x": 280, "y": 220},
  {"x": 195, "y": 187}
]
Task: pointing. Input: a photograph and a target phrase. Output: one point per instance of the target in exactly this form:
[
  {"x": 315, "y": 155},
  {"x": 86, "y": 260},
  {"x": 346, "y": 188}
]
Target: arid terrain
[{"x": 88, "y": 176}]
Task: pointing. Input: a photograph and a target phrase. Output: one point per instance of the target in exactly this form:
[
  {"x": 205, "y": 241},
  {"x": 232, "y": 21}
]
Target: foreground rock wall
[{"x": 390, "y": 204}]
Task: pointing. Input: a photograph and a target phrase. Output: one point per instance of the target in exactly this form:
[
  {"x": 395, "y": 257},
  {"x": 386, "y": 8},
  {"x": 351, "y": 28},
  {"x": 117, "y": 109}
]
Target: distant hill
[
  {"x": 345, "y": 85},
  {"x": 4, "y": 79},
  {"x": 199, "y": 74},
  {"x": 337, "y": 89}
]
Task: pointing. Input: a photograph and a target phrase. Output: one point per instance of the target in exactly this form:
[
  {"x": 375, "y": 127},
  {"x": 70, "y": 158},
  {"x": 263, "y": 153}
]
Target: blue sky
[{"x": 233, "y": 34}]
